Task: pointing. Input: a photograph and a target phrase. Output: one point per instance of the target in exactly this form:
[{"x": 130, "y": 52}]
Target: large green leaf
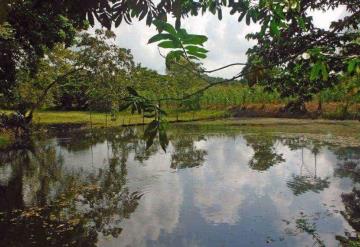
[
  {"x": 182, "y": 33},
  {"x": 315, "y": 71},
  {"x": 179, "y": 39},
  {"x": 197, "y": 54},
  {"x": 274, "y": 28},
  {"x": 324, "y": 72},
  {"x": 169, "y": 44},
  {"x": 161, "y": 25},
  {"x": 162, "y": 36},
  {"x": 196, "y": 49},
  {"x": 175, "y": 54},
  {"x": 195, "y": 39}
]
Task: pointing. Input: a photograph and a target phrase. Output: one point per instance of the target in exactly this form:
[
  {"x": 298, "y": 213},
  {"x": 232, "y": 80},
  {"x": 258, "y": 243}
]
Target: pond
[{"x": 214, "y": 186}]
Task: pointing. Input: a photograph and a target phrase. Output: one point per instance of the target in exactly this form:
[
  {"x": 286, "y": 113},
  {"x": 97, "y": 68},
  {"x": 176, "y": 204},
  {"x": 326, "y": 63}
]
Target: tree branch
[
  {"x": 224, "y": 67},
  {"x": 46, "y": 90}
]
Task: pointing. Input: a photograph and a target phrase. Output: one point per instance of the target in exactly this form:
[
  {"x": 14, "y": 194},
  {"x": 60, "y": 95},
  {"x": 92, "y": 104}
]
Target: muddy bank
[{"x": 328, "y": 111}]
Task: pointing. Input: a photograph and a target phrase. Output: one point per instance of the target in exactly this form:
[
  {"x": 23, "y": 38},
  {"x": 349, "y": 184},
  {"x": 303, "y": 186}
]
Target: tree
[
  {"x": 108, "y": 69},
  {"x": 185, "y": 81},
  {"x": 304, "y": 59},
  {"x": 34, "y": 27},
  {"x": 92, "y": 72},
  {"x": 56, "y": 67},
  {"x": 294, "y": 56}
]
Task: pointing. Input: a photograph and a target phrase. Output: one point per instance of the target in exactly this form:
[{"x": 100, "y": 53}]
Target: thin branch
[
  {"x": 224, "y": 67},
  {"x": 205, "y": 88},
  {"x": 241, "y": 74},
  {"x": 46, "y": 90}
]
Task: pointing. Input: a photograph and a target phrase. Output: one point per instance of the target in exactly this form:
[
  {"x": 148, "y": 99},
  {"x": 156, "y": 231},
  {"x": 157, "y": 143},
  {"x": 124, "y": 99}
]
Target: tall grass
[{"x": 230, "y": 95}]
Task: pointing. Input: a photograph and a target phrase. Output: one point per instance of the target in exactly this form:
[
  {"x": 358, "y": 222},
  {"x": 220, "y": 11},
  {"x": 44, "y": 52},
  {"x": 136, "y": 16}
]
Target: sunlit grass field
[{"x": 97, "y": 119}]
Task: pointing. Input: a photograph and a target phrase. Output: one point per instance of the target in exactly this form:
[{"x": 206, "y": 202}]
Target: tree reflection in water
[
  {"x": 307, "y": 180},
  {"x": 47, "y": 204},
  {"x": 186, "y": 154},
  {"x": 44, "y": 204},
  {"x": 302, "y": 184},
  {"x": 348, "y": 163},
  {"x": 265, "y": 155},
  {"x": 349, "y": 166}
]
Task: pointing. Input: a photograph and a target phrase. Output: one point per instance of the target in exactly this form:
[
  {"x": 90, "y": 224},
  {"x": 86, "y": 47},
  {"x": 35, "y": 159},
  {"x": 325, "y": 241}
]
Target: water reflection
[
  {"x": 105, "y": 188},
  {"x": 186, "y": 154},
  {"x": 48, "y": 204},
  {"x": 265, "y": 155}
]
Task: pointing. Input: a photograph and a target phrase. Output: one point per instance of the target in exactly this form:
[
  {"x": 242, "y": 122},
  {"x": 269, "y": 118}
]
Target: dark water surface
[{"x": 211, "y": 188}]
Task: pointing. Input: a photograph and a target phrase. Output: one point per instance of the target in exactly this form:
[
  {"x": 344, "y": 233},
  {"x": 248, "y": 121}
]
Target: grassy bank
[
  {"x": 97, "y": 119},
  {"x": 270, "y": 110}
]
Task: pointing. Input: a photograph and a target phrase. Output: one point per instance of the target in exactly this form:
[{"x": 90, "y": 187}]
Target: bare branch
[{"x": 224, "y": 67}]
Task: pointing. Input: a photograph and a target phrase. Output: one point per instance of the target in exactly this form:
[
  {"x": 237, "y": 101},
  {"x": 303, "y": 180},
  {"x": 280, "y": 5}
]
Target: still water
[{"x": 210, "y": 188}]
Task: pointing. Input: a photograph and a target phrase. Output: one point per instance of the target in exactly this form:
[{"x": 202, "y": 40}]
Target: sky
[{"x": 226, "y": 44}]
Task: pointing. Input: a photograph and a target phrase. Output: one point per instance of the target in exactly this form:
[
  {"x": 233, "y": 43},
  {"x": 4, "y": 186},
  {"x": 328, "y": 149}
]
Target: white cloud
[
  {"x": 322, "y": 19},
  {"x": 227, "y": 43}
]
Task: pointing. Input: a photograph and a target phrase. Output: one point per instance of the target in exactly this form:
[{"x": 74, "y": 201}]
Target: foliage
[
  {"x": 32, "y": 26},
  {"x": 108, "y": 68},
  {"x": 15, "y": 121},
  {"x": 182, "y": 44},
  {"x": 36, "y": 26},
  {"x": 304, "y": 66},
  {"x": 92, "y": 73},
  {"x": 292, "y": 55}
]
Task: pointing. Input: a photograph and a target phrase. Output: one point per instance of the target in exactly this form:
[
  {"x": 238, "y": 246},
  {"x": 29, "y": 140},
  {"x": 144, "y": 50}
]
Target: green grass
[{"x": 97, "y": 119}]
